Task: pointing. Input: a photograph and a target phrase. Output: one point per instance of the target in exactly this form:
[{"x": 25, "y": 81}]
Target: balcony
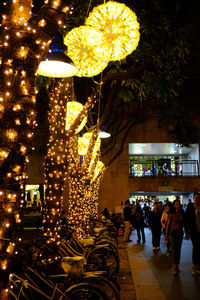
[{"x": 154, "y": 168}]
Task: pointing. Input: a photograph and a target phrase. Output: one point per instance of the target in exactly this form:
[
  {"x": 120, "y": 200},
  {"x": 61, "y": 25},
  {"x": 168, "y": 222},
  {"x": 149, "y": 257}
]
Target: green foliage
[
  {"x": 165, "y": 50},
  {"x": 81, "y": 8},
  {"x": 167, "y": 42},
  {"x": 126, "y": 95}
]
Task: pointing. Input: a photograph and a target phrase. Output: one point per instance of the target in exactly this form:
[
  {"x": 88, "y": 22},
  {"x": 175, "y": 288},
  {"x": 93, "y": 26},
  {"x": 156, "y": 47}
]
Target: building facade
[{"x": 138, "y": 171}]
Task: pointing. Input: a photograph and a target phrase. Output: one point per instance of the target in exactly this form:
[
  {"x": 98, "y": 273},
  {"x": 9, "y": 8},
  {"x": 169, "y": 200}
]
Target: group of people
[
  {"x": 174, "y": 221},
  {"x": 133, "y": 216}
]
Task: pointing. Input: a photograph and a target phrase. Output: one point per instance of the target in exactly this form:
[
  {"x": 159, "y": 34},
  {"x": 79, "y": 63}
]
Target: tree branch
[{"x": 131, "y": 73}]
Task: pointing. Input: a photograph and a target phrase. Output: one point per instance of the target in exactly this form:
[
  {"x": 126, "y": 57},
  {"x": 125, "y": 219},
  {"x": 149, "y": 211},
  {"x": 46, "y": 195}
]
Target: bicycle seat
[
  {"x": 94, "y": 273},
  {"x": 73, "y": 265},
  {"x": 99, "y": 229},
  {"x": 87, "y": 242}
]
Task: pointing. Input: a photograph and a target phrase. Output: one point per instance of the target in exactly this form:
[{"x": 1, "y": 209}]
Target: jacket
[
  {"x": 154, "y": 219},
  {"x": 190, "y": 220},
  {"x": 127, "y": 213}
]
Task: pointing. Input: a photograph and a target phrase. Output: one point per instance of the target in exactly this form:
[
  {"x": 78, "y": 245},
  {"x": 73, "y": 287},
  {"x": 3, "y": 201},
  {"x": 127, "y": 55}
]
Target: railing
[{"x": 155, "y": 168}]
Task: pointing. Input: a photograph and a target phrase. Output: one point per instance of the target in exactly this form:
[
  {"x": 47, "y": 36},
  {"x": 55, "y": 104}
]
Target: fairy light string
[
  {"x": 24, "y": 42},
  {"x": 62, "y": 154}
]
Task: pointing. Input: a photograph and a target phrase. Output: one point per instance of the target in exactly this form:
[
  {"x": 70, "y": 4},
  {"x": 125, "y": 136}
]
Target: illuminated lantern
[
  {"x": 119, "y": 25},
  {"x": 99, "y": 167},
  {"x": 89, "y": 50},
  {"x": 73, "y": 110},
  {"x": 83, "y": 144}
]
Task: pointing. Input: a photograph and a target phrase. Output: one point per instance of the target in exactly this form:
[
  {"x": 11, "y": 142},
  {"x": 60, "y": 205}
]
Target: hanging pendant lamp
[{"x": 57, "y": 64}]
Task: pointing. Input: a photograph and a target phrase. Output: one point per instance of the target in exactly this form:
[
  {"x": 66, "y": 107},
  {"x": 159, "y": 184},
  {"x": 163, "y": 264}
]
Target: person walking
[
  {"x": 164, "y": 221},
  {"x": 139, "y": 224},
  {"x": 127, "y": 221},
  {"x": 146, "y": 210},
  {"x": 174, "y": 230},
  {"x": 155, "y": 226},
  {"x": 165, "y": 170},
  {"x": 192, "y": 228}
]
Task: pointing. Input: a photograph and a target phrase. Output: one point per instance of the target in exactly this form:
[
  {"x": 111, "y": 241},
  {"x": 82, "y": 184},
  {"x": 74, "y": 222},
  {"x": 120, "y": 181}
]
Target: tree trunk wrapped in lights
[
  {"x": 62, "y": 132},
  {"x": 24, "y": 42},
  {"x": 81, "y": 185},
  {"x": 76, "y": 187},
  {"x": 55, "y": 162},
  {"x": 91, "y": 198}
]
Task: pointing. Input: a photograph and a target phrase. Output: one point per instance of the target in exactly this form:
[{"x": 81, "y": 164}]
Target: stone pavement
[
  {"x": 135, "y": 277},
  {"x": 124, "y": 278},
  {"x": 146, "y": 285},
  {"x": 151, "y": 272}
]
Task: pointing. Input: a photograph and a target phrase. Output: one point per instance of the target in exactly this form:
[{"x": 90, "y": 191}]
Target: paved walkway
[
  {"x": 124, "y": 278},
  {"x": 152, "y": 272},
  {"x": 146, "y": 285}
]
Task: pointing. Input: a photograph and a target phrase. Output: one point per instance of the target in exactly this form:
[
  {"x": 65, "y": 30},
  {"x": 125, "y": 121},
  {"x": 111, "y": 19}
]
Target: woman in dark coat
[
  {"x": 139, "y": 223},
  {"x": 155, "y": 226},
  {"x": 174, "y": 231}
]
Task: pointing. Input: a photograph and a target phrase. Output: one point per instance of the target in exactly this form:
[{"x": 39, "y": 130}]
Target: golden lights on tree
[
  {"x": 55, "y": 161},
  {"x": 99, "y": 167},
  {"x": 61, "y": 156},
  {"x": 24, "y": 42},
  {"x": 119, "y": 25},
  {"x": 3, "y": 154},
  {"x": 83, "y": 144},
  {"x": 11, "y": 134},
  {"x": 91, "y": 199},
  {"x": 81, "y": 180},
  {"x": 73, "y": 110}
]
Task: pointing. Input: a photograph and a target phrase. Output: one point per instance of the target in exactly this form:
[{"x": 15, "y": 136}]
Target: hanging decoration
[
  {"x": 89, "y": 50},
  {"x": 119, "y": 25},
  {"x": 99, "y": 166},
  {"x": 73, "y": 110},
  {"x": 83, "y": 144}
]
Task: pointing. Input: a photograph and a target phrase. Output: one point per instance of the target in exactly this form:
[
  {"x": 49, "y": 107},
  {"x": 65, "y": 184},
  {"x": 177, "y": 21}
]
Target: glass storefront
[{"x": 34, "y": 196}]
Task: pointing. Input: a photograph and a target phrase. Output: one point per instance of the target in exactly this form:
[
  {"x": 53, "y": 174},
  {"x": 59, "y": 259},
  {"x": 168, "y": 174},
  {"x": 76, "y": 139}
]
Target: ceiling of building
[
  {"x": 159, "y": 149},
  {"x": 148, "y": 194}
]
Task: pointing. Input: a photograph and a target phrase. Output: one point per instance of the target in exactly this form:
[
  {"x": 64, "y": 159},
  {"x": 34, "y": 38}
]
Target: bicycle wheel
[
  {"x": 111, "y": 235},
  {"x": 106, "y": 285},
  {"x": 110, "y": 244},
  {"x": 83, "y": 291},
  {"x": 103, "y": 259}
]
